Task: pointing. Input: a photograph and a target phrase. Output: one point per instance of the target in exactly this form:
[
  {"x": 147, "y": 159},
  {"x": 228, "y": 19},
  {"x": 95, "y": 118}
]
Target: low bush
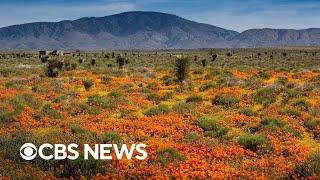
[
  {"x": 265, "y": 96},
  {"x": 252, "y": 142},
  {"x": 211, "y": 127},
  {"x": 226, "y": 101},
  {"x": 309, "y": 168},
  {"x": 87, "y": 84},
  {"x": 169, "y": 155},
  {"x": 194, "y": 98},
  {"x": 160, "y": 109}
]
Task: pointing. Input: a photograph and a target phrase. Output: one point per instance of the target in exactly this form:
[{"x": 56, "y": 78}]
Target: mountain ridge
[{"x": 144, "y": 30}]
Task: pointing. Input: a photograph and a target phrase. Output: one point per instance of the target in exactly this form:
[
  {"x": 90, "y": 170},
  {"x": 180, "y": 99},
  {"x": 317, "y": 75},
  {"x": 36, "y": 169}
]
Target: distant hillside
[
  {"x": 277, "y": 37},
  {"x": 143, "y": 30}
]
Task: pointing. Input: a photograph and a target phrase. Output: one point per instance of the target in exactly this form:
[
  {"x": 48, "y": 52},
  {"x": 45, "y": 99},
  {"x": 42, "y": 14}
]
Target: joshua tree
[
  {"x": 182, "y": 68},
  {"x": 214, "y": 57},
  {"x": 93, "y": 61},
  {"x": 112, "y": 55},
  {"x": 195, "y": 58},
  {"x": 204, "y": 62},
  {"x": 229, "y": 54},
  {"x": 121, "y": 61},
  {"x": 54, "y": 67}
]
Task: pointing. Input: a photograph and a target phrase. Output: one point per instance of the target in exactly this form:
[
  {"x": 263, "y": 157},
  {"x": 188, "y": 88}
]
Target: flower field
[{"x": 225, "y": 114}]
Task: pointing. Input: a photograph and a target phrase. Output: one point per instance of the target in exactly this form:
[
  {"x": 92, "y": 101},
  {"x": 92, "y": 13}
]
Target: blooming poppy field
[{"x": 203, "y": 114}]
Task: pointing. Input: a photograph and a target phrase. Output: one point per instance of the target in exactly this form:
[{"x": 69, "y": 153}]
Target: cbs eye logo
[{"x": 28, "y": 151}]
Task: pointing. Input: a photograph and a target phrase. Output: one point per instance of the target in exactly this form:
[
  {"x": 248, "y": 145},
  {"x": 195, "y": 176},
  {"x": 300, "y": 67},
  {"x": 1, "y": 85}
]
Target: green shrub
[
  {"x": 263, "y": 75},
  {"x": 80, "y": 168},
  {"x": 247, "y": 112},
  {"x": 211, "y": 127},
  {"x": 310, "y": 168},
  {"x": 226, "y": 101},
  {"x": 282, "y": 80},
  {"x": 191, "y": 137},
  {"x": 154, "y": 97},
  {"x": 160, "y": 109},
  {"x": 169, "y": 155},
  {"x": 184, "y": 108},
  {"x": 47, "y": 110},
  {"x": 87, "y": 84},
  {"x": 265, "y": 96},
  {"x": 290, "y": 112},
  {"x": 194, "y": 98},
  {"x": 182, "y": 68},
  {"x": 252, "y": 142},
  {"x": 312, "y": 124},
  {"x": 167, "y": 96},
  {"x": 111, "y": 137},
  {"x": 207, "y": 86},
  {"x": 302, "y": 104}
]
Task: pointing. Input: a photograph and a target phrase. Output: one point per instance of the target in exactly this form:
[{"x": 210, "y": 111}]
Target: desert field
[{"x": 203, "y": 114}]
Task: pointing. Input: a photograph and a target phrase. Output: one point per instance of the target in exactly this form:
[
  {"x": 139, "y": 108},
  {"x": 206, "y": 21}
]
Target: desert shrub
[
  {"x": 226, "y": 101},
  {"x": 111, "y": 137},
  {"x": 184, "y": 108},
  {"x": 17, "y": 103},
  {"x": 253, "y": 83},
  {"x": 302, "y": 104},
  {"x": 74, "y": 66},
  {"x": 106, "y": 79},
  {"x": 247, "y": 112},
  {"x": 207, "y": 86},
  {"x": 160, "y": 109},
  {"x": 167, "y": 80},
  {"x": 312, "y": 124},
  {"x": 252, "y": 142},
  {"x": 194, "y": 98},
  {"x": 48, "y": 111},
  {"x": 152, "y": 86},
  {"x": 169, "y": 155},
  {"x": 44, "y": 58},
  {"x": 282, "y": 80},
  {"x": 290, "y": 112},
  {"x": 198, "y": 71},
  {"x": 265, "y": 96},
  {"x": 154, "y": 97},
  {"x": 182, "y": 68},
  {"x": 54, "y": 67},
  {"x": 263, "y": 75},
  {"x": 309, "y": 168},
  {"x": 191, "y": 137},
  {"x": 88, "y": 83},
  {"x": 211, "y": 127},
  {"x": 10, "y": 146},
  {"x": 80, "y": 168},
  {"x": 167, "y": 96}
]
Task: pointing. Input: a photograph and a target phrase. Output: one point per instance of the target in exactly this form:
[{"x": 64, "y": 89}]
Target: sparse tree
[
  {"x": 204, "y": 62},
  {"x": 182, "y": 68},
  {"x": 121, "y": 61},
  {"x": 214, "y": 57},
  {"x": 54, "y": 67}
]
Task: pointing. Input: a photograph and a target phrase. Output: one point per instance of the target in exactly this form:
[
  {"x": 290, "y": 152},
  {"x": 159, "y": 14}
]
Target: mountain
[
  {"x": 277, "y": 37},
  {"x": 143, "y": 30}
]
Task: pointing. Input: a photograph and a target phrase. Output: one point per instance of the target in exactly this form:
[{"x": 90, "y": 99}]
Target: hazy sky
[{"x": 237, "y": 15}]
